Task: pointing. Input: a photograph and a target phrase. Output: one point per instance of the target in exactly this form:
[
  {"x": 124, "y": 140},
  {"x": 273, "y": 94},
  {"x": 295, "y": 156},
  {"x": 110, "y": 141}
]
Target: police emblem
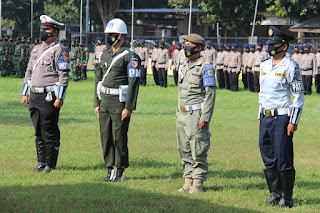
[
  {"x": 270, "y": 32},
  {"x": 66, "y": 56},
  {"x": 194, "y": 80},
  {"x": 134, "y": 64}
]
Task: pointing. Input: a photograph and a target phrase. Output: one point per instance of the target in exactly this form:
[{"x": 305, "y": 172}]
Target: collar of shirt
[
  {"x": 197, "y": 62},
  {"x": 283, "y": 62},
  {"x": 46, "y": 45},
  {"x": 122, "y": 48}
]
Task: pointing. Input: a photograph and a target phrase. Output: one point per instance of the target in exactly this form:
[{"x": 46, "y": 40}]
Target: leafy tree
[
  {"x": 63, "y": 11},
  {"x": 107, "y": 9}
]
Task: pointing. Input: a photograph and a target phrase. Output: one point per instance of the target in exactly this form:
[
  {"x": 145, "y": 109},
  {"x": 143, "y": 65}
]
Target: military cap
[
  {"x": 142, "y": 41},
  {"x": 260, "y": 44},
  {"x": 81, "y": 41},
  {"x": 18, "y": 38},
  {"x": 235, "y": 45},
  {"x": 63, "y": 40},
  {"x": 221, "y": 45},
  {"x": 138, "y": 40},
  {"x": 301, "y": 47},
  {"x": 308, "y": 46},
  {"x": 319, "y": 46},
  {"x": 277, "y": 36},
  {"x": 228, "y": 45},
  {"x": 29, "y": 38},
  {"x": 162, "y": 42},
  {"x": 252, "y": 46},
  {"x": 178, "y": 44},
  {"x": 246, "y": 46},
  {"x": 100, "y": 39},
  {"x": 47, "y": 22},
  {"x": 209, "y": 43},
  {"x": 156, "y": 41},
  {"x": 194, "y": 38},
  {"x": 296, "y": 47}
]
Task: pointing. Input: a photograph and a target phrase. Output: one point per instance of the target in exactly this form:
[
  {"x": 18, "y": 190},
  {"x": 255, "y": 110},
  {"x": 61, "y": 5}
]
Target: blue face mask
[{"x": 189, "y": 51}]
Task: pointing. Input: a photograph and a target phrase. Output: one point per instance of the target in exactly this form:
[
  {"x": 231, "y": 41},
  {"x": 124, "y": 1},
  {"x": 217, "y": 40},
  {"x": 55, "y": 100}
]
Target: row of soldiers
[
  {"x": 79, "y": 57},
  {"x": 15, "y": 54}
]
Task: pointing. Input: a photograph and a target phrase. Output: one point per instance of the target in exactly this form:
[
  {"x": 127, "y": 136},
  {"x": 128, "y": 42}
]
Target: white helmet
[{"x": 116, "y": 25}]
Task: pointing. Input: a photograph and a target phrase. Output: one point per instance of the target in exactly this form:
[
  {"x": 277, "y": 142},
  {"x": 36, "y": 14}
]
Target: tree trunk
[{"x": 107, "y": 9}]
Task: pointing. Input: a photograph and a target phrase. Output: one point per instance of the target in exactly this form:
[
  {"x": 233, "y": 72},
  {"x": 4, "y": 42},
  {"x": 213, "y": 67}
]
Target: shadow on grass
[
  {"x": 100, "y": 197},
  {"x": 234, "y": 173}
]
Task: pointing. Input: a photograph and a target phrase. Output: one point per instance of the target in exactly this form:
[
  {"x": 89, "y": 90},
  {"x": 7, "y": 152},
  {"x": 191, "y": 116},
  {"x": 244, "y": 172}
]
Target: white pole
[
  {"x": 0, "y": 15},
  {"x": 189, "y": 30},
  {"x": 254, "y": 21},
  {"x": 31, "y": 19},
  {"x": 132, "y": 19},
  {"x": 218, "y": 39},
  {"x": 87, "y": 21},
  {"x": 81, "y": 20}
]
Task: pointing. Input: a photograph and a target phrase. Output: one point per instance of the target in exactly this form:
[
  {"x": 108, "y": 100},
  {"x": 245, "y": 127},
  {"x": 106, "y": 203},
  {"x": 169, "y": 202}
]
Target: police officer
[
  {"x": 175, "y": 62},
  {"x": 162, "y": 64},
  {"x": 196, "y": 92},
  {"x": 143, "y": 53},
  {"x": 219, "y": 67},
  {"x": 248, "y": 66},
  {"x": 308, "y": 66},
  {"x": 317, "y": 74},
  {"x": 234, "y": 66},
  {"x": 118, "y": 66},
  {"x": 209, "y": 54},
  {"x": 99, "y": 48},
  {"x": 297, "y": 55},
  {"x": 259, "y": 55},
  {"x": 243, "y": 61},
  {"x": 154, "y": 56},
  {"x": 226, "y": 65},
  {"x": 46, "y": 80},
  {"x": 279, "y": 117}
]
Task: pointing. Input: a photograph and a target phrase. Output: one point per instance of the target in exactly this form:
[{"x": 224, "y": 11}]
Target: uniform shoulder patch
[
  {"x": 133, "y": 67},
  {"x": 209, "y": 76},
  {"x": 63, "y": 61}
]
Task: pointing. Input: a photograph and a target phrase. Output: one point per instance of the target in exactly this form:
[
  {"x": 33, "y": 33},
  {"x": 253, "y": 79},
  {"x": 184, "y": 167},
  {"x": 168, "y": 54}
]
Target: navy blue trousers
[{"x": 276, "y": 146}]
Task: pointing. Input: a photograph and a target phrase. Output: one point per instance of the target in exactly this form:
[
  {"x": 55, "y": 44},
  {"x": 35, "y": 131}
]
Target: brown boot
[
  {"x": 187, "y": 185},
  {"x": 196, "y": 186}
]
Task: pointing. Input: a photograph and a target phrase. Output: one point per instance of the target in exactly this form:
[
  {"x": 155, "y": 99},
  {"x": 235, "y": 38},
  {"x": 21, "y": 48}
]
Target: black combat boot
[
  {"x": 117, "y": 174},
  {"x": 274, "y": 184},
  {"x": 41, "y": 154},
  {"x": 287, "y": 183},
  {"x": 51, "y": 156}
]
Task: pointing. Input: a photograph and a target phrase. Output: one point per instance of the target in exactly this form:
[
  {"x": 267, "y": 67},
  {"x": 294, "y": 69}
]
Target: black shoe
[
  {"x": 108, "y": 176},
  {"x": 117, "y": 175},
  {"x": 287, "y": 184},
  {"x": 286, "y": 203},
  {"x": 274, "y": 185},
  {"x": 48, "y": 169},
  {"x": 274, "y": 199},
  {"x": 40, "y": 167}
]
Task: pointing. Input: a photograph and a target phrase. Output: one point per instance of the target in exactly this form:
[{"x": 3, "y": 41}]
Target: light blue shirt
[{"x": 276, "y": 84}]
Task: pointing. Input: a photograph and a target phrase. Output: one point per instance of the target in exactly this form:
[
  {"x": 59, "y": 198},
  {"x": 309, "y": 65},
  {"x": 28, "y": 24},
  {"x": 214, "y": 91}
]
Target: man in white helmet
[{"x": 117, "y": 85}]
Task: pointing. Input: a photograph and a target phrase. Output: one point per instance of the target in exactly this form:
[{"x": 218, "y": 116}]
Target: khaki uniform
[
  {"x": 258, "y": 57},
  {"x": 317, "y": 75},
  {"x": 183, "y": 57},
  {"x": 248, "y": 67},
  {"x": 154, "y": 56},
  {"x": 219, "y": 66},
  {"x": 175, "y": 63},
  {"x": 308, "y": 66},
  {"x": 98, "y": 51},
  {"x": 196, "y": 92},
  {"x": 210, "y": 56},
  {"x": 162, "y": 64},
  {"x": 113, "y": 130},
  {"x": 226, "y": 70},
  {"x": 297, "y": 58},
  {"x": 234, "y": 66},
  {"x": 243, "y": 70},
  {"x": 143, "y": 53}
]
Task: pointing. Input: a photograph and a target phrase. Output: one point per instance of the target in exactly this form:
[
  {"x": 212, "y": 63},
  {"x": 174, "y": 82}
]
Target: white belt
[
  {"x": 188, "y": 108},
  {"x": 110, "y": 91},
  {"x": 42, "y": 89},
  {"x": 274, "y": 112}
]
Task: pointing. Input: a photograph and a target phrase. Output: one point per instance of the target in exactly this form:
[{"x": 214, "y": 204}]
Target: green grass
[{"x": 235, "y": 184}]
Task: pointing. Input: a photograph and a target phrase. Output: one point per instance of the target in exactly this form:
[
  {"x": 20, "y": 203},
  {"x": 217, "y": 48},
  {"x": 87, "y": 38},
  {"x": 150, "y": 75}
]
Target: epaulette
[{"x": 265, "y": 59}]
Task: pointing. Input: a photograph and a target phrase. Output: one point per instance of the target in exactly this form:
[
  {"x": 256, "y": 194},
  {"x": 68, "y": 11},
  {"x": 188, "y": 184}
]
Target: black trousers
[
  {"x": 162, "y": 77},
  {"x": 245, "y": 80},
  {"x": 114, "y": 132},
  {"x": 250, "y": 81},
  {"x": 276, "y": 146},
  {"x": 234, "y": 80},
  {"x": 307, "y": 82},
  {"x": 227, "y": 80},
  {"x": 256, "y": 81},
  {"x": 155, "y": 75},
  {"x": 175, "y": 77},
  {"x": 45, "y": 119},
  {"x": 143, "y": 79},
  {"x": 220, "y": 78},
  {"x": 317, "y": 83}
]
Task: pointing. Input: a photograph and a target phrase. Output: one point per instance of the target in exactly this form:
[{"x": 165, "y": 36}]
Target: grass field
[{"x": 236, "y": 182}]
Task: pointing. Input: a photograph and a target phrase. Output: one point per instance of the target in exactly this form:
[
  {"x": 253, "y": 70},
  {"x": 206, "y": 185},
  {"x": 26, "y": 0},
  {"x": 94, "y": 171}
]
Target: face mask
[
  {"x": 259, "y": 49},
  {"x": 252, "y": 51},
  {"x": 247, "y": 51},
  {"x": 189, "y": 51},
  {"x": 273, "y": 50},
  {"x": 228, "y": 50},
  {"x": 319, "y": 51},
  {"x": 306, "y": 51},
  {"x": 45, "y": 35},
  {"x": 234, "y": 50},
  {"x": 162, "y": 47},
  {"x": 220, "y": 50},
  {"x": 113, "y": 39}
]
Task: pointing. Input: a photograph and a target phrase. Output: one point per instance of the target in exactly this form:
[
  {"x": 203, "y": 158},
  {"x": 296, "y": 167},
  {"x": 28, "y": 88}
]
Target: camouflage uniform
[
  {"x": 5, "y": 57},
  {"x": 82, "y": 61},
  {"x": 17, "y": 58},
  {"x": 73, "y": 60}
]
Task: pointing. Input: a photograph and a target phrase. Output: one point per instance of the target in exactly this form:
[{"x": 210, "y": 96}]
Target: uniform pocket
[{"x": 280, "y": 83}]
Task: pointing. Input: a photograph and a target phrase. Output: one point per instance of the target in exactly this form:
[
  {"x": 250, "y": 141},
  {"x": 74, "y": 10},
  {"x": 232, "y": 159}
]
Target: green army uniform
[
  {"x": 1, "y": 55},
  {"x": 11, "y": 68},
  {"x": 73, "y": 62},
  {"x": 113, "y": 130},
  {"x": 82, "y": 62},
  {"x": 5, "y": 58},
  {"x": 26, "y": 56},
  {"x": 18, "y": 57},
  {"x": 31, "y": 45}
]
